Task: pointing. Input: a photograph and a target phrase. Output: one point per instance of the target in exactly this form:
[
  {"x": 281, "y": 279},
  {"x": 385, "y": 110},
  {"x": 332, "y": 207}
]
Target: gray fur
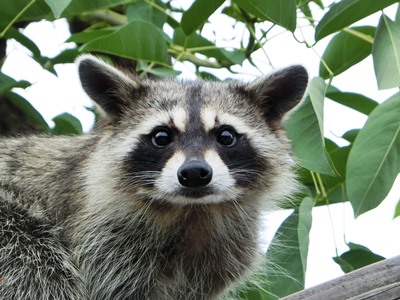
[{"x": 77, "y": 222}]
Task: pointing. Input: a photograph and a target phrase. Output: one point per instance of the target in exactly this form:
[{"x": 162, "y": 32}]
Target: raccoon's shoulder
[
  {"x": 42, "y": 153},
  {"x": 43, "y": 143}
]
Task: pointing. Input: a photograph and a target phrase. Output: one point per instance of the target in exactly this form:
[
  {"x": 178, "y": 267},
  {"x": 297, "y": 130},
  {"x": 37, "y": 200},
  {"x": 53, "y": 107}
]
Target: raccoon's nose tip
[{"x": 195, "y": 174}]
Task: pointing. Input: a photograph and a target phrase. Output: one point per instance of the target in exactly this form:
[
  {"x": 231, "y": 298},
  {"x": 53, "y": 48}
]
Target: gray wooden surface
[{"x": 380, "y": 281}]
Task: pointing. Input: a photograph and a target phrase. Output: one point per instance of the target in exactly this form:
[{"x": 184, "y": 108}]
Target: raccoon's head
[{"x": 192, "y": 142}]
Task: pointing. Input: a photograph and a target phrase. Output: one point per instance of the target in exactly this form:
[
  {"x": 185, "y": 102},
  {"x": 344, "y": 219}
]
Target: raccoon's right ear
[{"x": 108, "y": 87}]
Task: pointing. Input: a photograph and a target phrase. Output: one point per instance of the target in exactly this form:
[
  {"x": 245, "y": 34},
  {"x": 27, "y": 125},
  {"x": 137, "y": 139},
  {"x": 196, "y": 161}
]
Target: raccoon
[{"x": 162, "y": 200}]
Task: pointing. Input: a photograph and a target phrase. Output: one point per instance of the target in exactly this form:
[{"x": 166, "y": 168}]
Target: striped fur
[{"x": 113, "y": 215}]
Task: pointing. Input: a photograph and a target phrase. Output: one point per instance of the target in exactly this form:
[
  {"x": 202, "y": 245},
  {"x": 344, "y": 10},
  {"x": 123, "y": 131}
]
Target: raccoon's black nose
[{"x": 195, "y": 173}]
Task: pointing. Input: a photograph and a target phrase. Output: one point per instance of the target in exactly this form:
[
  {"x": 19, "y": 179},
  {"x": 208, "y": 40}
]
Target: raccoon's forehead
[{"x": 209, "y": 104}]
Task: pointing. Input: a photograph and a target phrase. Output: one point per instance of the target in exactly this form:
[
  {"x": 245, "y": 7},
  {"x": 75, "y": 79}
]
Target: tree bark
[{"x": 375, "y": 282}]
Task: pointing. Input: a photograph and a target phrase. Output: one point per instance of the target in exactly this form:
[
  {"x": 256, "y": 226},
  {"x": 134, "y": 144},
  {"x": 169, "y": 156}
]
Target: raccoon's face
[{"x": 194, "y": 142}]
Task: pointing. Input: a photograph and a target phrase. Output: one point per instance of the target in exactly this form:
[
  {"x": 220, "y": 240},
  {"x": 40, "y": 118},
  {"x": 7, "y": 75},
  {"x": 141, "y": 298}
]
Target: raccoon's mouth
[
  {"x": 195, "y": 193},
  {"x": 204, "y": 195}
]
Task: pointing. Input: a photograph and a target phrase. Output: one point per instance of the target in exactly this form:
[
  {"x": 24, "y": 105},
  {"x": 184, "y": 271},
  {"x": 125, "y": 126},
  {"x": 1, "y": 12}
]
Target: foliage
[
  {"x": 358, "y": 256},
  {"x": 151, "y": 35}
]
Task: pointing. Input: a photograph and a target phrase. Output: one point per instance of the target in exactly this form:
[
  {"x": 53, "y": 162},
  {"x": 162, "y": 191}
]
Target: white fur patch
[
  {"x": 152, "y": 121},
  {"x": 101, "y": 178},
  {"x": 180, "y": 118},
  {"x": 261, "y": 140},
  {"x": 222, "y": 179},
  {"x": 209, "y": 117},
  {"x": 168, "y": 182},
  {"x": 235, "y": 122},
  {"x": 177, "y": 116}
]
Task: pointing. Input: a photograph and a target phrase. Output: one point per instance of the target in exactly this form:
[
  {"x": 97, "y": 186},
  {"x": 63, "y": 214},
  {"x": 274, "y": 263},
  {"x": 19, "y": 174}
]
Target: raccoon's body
[{"x": 161, "y": 201}]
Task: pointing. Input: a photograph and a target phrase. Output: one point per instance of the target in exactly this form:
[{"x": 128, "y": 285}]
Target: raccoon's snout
[{"x": 195, "y": 174}]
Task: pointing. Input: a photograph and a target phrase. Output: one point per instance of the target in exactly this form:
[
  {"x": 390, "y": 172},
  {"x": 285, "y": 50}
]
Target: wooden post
[{"x": 379, "y": 281}]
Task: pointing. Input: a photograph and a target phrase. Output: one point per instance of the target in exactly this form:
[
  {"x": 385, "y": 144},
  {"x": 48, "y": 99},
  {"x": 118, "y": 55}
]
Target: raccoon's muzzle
[{"x": 195, "y": 174}]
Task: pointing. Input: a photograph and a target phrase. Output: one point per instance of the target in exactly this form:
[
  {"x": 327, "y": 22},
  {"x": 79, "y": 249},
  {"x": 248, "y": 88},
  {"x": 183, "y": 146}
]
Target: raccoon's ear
[
  {"x": 108, "y": 87},
  {"x": 279, "y": 92}
]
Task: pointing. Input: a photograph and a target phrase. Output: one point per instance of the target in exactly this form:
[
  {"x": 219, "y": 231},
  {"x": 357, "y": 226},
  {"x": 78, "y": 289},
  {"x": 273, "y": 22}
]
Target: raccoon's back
[
  {"x": 34, "y": 262},
  {"x": 36, "y": 190},
  {"x": 47, "y": 167},
  {"x": 33, "y": 159}
]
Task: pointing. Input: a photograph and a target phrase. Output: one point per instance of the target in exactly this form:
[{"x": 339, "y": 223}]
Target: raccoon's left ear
[
  {"x": 279, "y": 92},
  {"x": 109, "y": 87}
]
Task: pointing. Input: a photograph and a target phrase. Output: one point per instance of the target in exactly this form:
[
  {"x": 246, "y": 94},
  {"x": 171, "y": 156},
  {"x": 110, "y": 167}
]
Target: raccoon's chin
[{"x": 193, "y": 196}]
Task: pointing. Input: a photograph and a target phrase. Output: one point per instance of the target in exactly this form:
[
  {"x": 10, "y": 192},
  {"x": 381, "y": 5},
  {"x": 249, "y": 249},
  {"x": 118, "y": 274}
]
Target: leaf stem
[
  {"x": 181, "y": 54},
  {"x": 315, "y": 183},
  {"x": 333, "y": 229},
  {"x": 203, "y": 48},
  {"x": 146, "y": 70},
  {"x": 321, "y": 185},
  {"x": 156, "y": 6},
  {"x": 15, "y": 19},
  {"x": 364, "y": 37},
  {"x": 258, "y": 42},
  {"x": 109, "y": 16}
]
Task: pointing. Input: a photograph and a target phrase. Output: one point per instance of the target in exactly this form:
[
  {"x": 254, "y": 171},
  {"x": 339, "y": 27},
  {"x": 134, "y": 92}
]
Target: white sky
[{"x": 376, "y": 229}]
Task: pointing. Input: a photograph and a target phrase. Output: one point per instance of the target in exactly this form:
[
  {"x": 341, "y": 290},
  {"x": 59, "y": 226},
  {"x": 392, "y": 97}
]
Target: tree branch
[{"x": 377, "y": 281}]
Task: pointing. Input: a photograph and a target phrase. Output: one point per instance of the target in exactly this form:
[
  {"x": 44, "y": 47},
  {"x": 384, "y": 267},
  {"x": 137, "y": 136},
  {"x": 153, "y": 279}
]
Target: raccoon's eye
[
  {"x": 226, "y": 137},
  {"x": 161, "y": 137}
]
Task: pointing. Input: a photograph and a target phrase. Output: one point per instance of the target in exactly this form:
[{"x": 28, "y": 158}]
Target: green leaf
[
  {"x": 397, "y": 17},
  {"x": 29, "y": 111},
  {"x": 355, "y": 101},
  {"x": 66, "y": 56},
  {"x": 57, "y": 6},
  {"x": 78, "y": 6},
  {"x": 13, "y": 33},
  {"x": 303, "y": 230},
  {"x": 305, "y": 130},
  {"x": 319, "y": 3},
  {"x": 252, "y": 293},
  {"x": 317, "y": 89},
  {"x": 374, "y": 159},
  {"x": 281, "y": 12},
  {"x": 386, "y": 54},
  {"x": 306, "y": 10},
  {"x": 162, "y": 72},
  {"x": 397, "y": 210},
  {"x": 344, "y": 265},
  {"x": 7, "y": 83},
  {"x": 198, "y": 13},
  {"x": 10, "y": 9},
  {"x": 197, "y": 43},
  {"x": 345, "y": 13},
  {"x": 89, "y": 35},
  {"x": 142, "y": 10},
  {"x": 351, "y": 135},
  {"x": 66, "y": 124},
  {"x": 334, "y": 185},
  {"x": 135, "y": 40},
  {"x": 288, "y": 253},
  {"x": 41, "y": 10},
  {"x": 207, "y": 76},
  {"x": 357, "y": 257},
  {"x": 346, "y": 49},
  {"x": 234, "y": 12}
]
